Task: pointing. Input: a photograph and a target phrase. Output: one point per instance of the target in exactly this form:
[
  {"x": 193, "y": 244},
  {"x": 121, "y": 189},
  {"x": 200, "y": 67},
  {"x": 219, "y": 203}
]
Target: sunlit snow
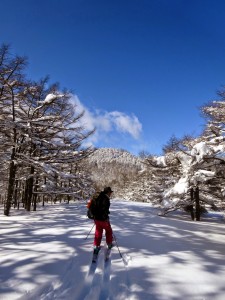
[{"x": 47, "y": 255}]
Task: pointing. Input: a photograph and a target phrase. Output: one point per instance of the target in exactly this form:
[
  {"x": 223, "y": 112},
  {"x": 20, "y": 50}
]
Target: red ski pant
[{"x": 100, "y": 226}]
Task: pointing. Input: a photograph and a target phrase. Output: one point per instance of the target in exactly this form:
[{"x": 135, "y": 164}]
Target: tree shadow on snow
[
  {"x": 172, "y": 258},
  {"x": 170, "y": 251},
  {"x": 45, "y": 251}
]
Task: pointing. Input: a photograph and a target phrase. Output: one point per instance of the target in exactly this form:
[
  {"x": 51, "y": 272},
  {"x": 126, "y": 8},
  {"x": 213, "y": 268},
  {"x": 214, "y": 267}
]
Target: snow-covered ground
[{"x": 44, "y": 255}]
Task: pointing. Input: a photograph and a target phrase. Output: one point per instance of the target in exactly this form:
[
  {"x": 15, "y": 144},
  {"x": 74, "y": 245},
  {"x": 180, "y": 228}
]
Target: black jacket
[{"x": 102, "y": 207}]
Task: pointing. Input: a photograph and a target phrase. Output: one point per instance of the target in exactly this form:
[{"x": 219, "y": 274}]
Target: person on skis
[{"x": 101, "y": 219}]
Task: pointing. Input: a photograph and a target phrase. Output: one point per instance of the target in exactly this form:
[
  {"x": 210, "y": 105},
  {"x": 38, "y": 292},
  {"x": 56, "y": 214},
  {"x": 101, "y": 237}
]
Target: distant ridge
[
  {"x": 113, "y": 154},
  {"x": 123, "y": 171}
]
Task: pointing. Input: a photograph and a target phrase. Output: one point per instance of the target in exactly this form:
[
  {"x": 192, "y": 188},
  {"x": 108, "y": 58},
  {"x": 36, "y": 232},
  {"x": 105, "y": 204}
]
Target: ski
[
  {"x": 107, "y": 254},
  {"x": 95, "y": 255}
]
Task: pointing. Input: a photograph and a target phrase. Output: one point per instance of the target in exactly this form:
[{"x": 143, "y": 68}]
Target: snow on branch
[{"x": 49, "y": 99}]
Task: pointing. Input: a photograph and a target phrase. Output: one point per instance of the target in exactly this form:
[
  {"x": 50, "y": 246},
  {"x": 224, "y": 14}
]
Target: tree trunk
[
  {"x": 35, "y": 195},
  {"x": 191, "y": 206},
  {"x": 11, "y": 181},
  {"x": 25, "y": 194},
  {"x": 15, "y": 194},
  {"x": 197, "y": 204},
  {"x": 30, "y": 183},
  {"x": 12, "y": 168}
]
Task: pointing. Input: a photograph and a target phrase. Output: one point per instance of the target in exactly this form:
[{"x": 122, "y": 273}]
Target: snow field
[{"x": 46, "y": 255}]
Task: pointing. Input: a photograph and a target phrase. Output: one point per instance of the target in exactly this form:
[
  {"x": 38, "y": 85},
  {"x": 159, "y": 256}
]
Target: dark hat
[{"x": 107, "y": 190}]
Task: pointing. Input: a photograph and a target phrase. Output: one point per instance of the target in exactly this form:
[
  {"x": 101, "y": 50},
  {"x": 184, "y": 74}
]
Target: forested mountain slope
[{"x": 124, "y": 172}]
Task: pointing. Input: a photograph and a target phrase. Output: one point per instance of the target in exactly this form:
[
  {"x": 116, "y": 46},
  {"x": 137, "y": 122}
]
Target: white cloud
[
  {"x": 127, "y": 124},
  {"x": 104, "y": 122},
  {"x": 87, "y": 119}
]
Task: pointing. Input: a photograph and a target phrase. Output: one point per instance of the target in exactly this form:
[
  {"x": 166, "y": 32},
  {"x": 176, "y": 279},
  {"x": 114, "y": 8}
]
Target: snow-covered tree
[
  {"x": 41, "y": 137},
  {"x": 11, "y": 83},
  {"x": 190, "y": 169}
]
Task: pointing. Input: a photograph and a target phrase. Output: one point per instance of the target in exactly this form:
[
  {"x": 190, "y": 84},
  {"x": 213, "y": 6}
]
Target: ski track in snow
[
  {"x": 97, "y": 282},
  {"x": 170, "y": 256}
]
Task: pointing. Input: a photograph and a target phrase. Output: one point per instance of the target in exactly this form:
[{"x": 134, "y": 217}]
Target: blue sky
[{"x": 140, "y": 68}]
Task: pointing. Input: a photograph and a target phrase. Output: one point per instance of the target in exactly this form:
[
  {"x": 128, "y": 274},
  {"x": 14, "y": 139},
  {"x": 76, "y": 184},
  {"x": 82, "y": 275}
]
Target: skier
[{"x": 101, "y": 220}]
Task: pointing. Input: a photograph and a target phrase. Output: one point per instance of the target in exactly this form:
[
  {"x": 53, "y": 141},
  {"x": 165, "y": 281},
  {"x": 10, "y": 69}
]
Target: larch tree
[
  {"x": 11, "y": 83},
  {"x": 41, "y": 137}
]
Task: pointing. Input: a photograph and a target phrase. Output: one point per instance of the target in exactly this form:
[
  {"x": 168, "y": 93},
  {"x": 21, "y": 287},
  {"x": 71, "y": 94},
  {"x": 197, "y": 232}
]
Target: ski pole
[
  {"x": 125, "y": 261},
  {"x": 90, "y": 231},
  {"x": 118, "y": 246}
]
